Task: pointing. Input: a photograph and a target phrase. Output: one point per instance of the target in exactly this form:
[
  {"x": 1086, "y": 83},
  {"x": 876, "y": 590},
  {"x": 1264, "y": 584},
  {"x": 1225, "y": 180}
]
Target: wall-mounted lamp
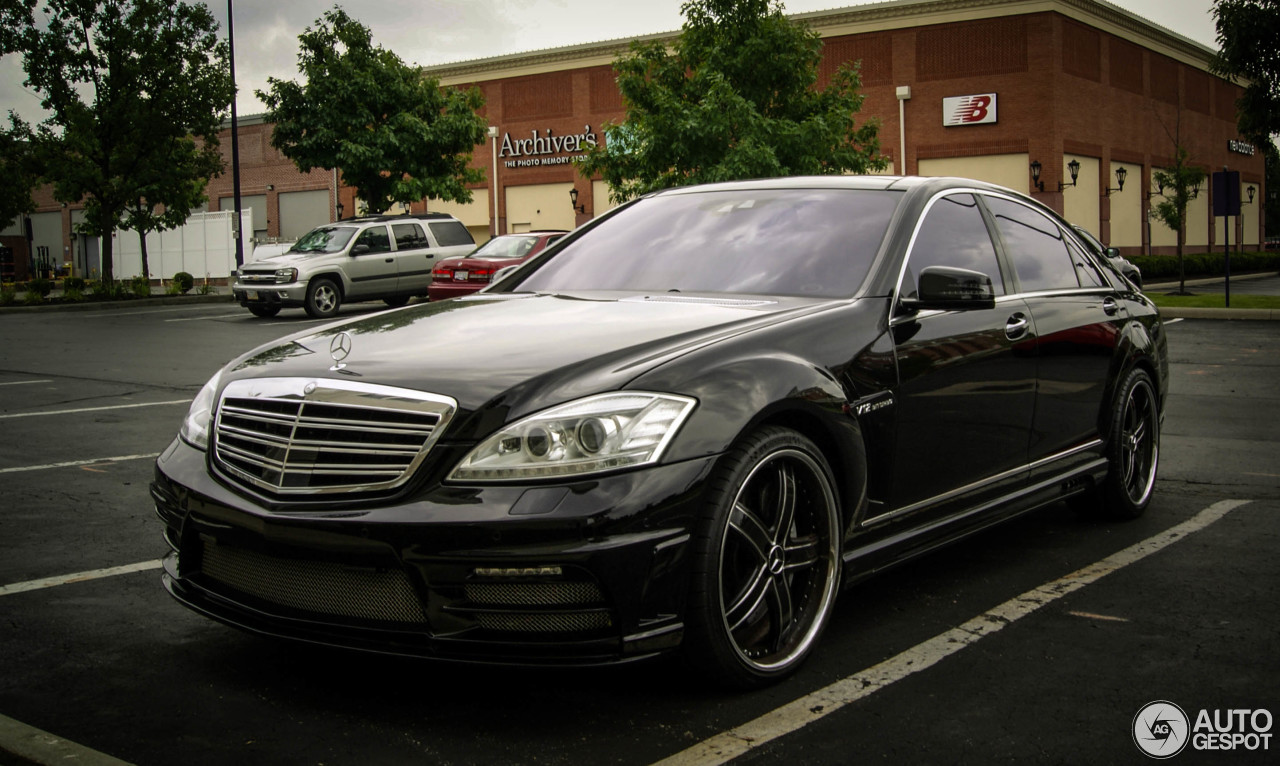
[
  {"x": 1121, "y": 174},
  {"x": 338, "y": 208},
  {"x": 1035, "y": 175},
  {"x": 573, "y": 198},
  {"x": 1195, "y": 191},
  {"x": 1074, "y": 168},
  {"x": 271, "y": 187},
  {"x": 1159, "y": 192},
  {"x": 1250, "y": 191}
]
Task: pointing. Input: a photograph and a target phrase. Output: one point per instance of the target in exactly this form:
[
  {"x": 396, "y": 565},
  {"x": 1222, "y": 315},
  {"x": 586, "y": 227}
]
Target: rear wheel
[
  {"x": 323, "y": 298},
  {"x": 1133, "y": 452},
  {"x": 265, "y": 311},
  {"x": 396, "y": 301},
  {"x": 767, "y": 561}
]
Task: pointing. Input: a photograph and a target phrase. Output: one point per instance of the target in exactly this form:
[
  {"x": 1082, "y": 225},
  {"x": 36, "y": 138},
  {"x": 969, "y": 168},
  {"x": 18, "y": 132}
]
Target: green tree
[
  {"x": 1180, "y": 183},
  {"x": 122, "y": 80},
  {"x": 170, "y": 187},
  {"x": 1247, "y": 34},
  {"x": 395, "y": 135},
  {"x": 735, "y": 97},
  {"x": 17, "y": 176}
]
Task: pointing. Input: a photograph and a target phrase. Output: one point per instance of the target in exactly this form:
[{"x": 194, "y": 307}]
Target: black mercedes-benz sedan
[{"x": 683, "y": 427}]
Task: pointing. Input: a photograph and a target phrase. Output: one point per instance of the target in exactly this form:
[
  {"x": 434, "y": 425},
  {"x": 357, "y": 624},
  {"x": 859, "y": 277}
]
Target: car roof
[{"x": 928, "y": 184}]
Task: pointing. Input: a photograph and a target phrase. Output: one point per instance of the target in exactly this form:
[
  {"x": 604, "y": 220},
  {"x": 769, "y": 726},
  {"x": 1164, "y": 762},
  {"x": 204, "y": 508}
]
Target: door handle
[
  {"x": 1016, "y": 326},
  {"x": 1109, "y": 306}
]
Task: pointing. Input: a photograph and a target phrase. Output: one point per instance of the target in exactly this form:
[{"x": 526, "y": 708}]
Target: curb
[
  {"x": 1201, "y": 313},
  {"x": 160, "y": 300}
]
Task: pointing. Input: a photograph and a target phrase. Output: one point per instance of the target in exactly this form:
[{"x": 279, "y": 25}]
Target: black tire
[
  {"x": 766, "y": 565},
  {"x": 266, "y": 311},
  {"x": 323, "y": 298},
  {"x": 397, "y": 301},
  {"x": 1132, "y": 452}
]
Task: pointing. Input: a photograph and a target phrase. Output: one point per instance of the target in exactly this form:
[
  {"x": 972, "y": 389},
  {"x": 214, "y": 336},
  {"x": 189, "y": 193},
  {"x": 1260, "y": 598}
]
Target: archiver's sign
[
  {"x": 542, "y": 148},
  {"x": 969, "y": 110}
]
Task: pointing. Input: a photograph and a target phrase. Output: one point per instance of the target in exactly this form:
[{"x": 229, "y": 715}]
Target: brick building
[{"x": 985, "y": 89}]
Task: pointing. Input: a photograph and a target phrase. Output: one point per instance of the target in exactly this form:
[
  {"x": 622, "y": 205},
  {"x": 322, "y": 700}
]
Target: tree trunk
[
  {"x": 142, "y": 245},
  {"x": 108, "y": 271},
  {"x": 1182, "y": 269}
]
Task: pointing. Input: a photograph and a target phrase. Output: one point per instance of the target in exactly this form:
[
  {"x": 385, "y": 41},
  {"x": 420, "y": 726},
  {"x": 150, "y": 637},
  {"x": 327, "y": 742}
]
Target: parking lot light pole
[{"x": 235, "y": 141}]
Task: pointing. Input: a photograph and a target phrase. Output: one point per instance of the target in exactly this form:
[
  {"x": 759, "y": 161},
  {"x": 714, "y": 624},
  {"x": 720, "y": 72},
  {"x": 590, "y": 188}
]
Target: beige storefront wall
[
  {"x": 1126, "y": 208},
  {"x": 1009, "y": 170},
  {"x": 1080, "y": 202},
  {"x": 1197, "y": 222},
  {"x": 540, "y": 206},
  {"x": 474, "y": 215}
]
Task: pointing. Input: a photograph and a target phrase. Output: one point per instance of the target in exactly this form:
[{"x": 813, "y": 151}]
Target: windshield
[
  {"x": 326, "y": 239},
  {"x": 505, "y": 247},
  {"x": 808, "y": 242}
]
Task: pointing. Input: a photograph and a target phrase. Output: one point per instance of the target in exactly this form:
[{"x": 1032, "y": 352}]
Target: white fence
[{"x": 204, "y": 247}]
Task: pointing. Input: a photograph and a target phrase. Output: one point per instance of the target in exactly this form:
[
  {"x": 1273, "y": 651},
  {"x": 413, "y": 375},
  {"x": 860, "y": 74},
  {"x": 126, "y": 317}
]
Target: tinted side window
[
  {"x": 1085, "y": 270},
  {"x": 376, "y": 238},
  {"x": 1035, "y": 247},
  {"x": 954, "y": 233},
  {"x": 409, "y": 236},
  {"x": 449, "y": 233}
]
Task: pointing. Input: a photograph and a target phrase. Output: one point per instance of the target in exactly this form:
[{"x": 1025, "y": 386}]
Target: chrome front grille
[
  {"x": 318, "y": 587},
  {"x": 306, "y": 436},
  {"x": 262, "y": 278},
  {"x": 536, "y": 607}
]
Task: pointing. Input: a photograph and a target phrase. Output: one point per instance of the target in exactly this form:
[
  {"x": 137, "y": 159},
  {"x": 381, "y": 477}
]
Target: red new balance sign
[{"x": 969, "y": 110}]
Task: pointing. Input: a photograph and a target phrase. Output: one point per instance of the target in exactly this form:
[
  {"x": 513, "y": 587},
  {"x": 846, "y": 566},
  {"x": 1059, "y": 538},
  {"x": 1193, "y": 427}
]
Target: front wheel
[
  {"x": 767, "y": 561},
  {"x": 323, "y": 298}
]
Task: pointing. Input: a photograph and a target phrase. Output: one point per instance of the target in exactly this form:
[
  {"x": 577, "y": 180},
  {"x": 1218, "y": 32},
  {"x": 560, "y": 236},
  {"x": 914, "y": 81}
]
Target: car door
[
  {"x": 1078, "y": 318},
  {"x": 415, "y": 258},
  {"x": 966, "y": 378},
  {"x": 371, "y": 266}
]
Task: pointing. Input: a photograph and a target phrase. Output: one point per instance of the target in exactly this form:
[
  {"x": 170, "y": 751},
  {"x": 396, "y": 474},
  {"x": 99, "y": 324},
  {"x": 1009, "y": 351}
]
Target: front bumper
[
  {"x": 588, "y": 573},
  {"x": 291, "y": 294}
]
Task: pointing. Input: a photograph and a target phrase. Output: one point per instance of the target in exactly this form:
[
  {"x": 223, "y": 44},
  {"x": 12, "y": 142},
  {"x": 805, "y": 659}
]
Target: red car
[{"x": 462, "y": 276}]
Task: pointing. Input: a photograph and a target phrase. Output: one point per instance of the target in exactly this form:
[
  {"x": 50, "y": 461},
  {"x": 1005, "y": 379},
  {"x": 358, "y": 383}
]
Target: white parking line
[
  {"x": 94, "y": 574},
  {"x": 24, "y": 382},
  {"x": 93, "y": 409},
  {"x": 795, "y": 715},
  {"x": 238, "y": 314},
  {"x": 74, "y": 463}
]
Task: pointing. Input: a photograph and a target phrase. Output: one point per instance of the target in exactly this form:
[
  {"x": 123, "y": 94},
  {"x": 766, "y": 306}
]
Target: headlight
[
  {"x": 195, "y": 429},
  {"x": 599, "y": 433},
  {"x": 284, "y": 276}
]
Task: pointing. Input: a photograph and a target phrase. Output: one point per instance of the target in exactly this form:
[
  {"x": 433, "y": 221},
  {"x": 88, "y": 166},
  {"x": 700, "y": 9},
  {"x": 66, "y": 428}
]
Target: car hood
[
  {"x": 281, "y": 260},
  {"x": 521, "y": 352}
]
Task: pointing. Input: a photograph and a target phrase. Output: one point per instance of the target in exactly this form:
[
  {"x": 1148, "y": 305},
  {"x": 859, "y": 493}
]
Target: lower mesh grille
[
  {"x": 537, "y": 607},
  {"x": 544, "y": 623},
  {"x": 319, "y": 587}
]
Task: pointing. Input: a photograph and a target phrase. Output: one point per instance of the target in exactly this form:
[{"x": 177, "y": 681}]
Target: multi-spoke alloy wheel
[
  {"x": 1133, "y": 452},
  {"x": 323, "y": 298},
  {"x": 768, "y": 560}
]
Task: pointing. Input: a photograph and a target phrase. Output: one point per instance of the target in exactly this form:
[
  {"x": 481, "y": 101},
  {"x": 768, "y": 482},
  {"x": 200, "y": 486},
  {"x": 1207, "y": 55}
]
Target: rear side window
[
  {"x": 409, "y": 236},
  {"x": 451, "y": 233},
  {"x": 955, "y": 234},
  {"x": 1085, "y": 270},
  {"x": 1035, "y": 247}
]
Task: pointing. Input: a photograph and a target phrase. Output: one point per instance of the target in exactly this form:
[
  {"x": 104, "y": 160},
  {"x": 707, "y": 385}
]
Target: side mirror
[
  {"x": 359, "y": 249},
  {"x": 947, "y": 288},
  {"x": 1112, "y": 252}
]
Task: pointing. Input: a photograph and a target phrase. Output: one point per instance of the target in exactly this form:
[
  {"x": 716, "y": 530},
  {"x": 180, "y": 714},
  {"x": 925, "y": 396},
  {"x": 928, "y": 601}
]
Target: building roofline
[{"x": 886, "y": 14}]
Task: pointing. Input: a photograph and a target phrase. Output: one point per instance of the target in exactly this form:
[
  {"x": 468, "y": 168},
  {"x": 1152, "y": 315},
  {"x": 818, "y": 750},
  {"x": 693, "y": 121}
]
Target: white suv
[{"x": 387, "y": 258}]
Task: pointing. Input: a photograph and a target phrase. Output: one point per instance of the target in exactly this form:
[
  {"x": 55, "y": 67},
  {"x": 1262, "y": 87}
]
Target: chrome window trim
[{"x": 1042, "y": 462}]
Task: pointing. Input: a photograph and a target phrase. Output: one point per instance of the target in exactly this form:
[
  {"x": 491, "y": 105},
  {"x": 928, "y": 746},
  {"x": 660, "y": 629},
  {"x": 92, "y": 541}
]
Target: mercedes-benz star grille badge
[{"x": 339, "y": 348}]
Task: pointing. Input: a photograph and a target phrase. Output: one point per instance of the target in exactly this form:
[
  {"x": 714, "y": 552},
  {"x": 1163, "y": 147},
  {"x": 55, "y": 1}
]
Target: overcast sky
[{"x": 445, "y": 31}]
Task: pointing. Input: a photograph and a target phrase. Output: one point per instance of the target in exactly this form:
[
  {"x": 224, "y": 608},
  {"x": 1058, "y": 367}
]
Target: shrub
[
  {"x": 32, "y": 297},
  {"x": 183, "y": 281},
  {"x": 8, "y": 295},
  {"x": 140, "y": 286},
  {"x": 73, "y": 283},
  {"x": 41, "y": 286},
  {"x": 73, "y": 294},
  {"x": 1203, "y": 264},
  {"x": 107, "y": 291}
]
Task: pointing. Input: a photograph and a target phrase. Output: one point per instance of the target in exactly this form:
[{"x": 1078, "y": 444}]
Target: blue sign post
[{"x": 1226, "y": 203}]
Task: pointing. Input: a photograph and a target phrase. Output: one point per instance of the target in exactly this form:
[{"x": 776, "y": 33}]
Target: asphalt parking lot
[{"x": 1037, "y": 641}]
